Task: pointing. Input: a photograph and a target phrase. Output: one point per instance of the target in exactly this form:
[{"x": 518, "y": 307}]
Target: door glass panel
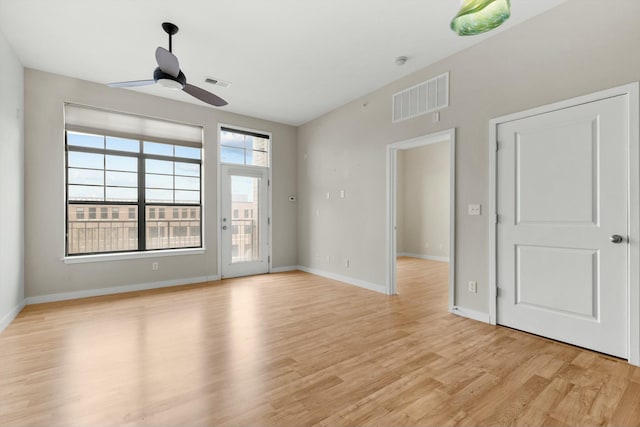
[{"x": 245, "y": 232}]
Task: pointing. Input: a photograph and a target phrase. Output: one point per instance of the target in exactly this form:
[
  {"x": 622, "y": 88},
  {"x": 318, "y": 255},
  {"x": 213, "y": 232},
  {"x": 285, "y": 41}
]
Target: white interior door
[
  {"x": 562, "y": 200},
  {"x": 244, "y": 221}
]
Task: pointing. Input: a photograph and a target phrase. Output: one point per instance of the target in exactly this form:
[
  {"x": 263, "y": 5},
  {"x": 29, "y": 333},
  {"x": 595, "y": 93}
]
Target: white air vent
[
  {"x": 420, "y": 99},
  {"x": 217, "y": 82}
]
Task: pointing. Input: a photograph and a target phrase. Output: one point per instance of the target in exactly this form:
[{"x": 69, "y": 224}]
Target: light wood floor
[{"x": 294, "y": 349}]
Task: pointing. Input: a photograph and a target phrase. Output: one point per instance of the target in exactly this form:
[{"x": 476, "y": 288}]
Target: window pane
[
  {"x": 121, "y": 163},
  {"x": 156, "y": 148},
  {"x": 87, "y": 234},
  {"x": 189, "y": 169},
  {"x": 159, "y": 196},
  {"x": 85, "y": 160},
  {"x": 120, "y": 194},
  {"x": 232, "y": 139},
  {"x": 86, "y": 176},
  {"x": 159, "y": 166},
  {"x": 172, "y": 232},
  {"x": 187, "y": 196},
  {"x": 122, "y": 144},
  {"x": 232, "y": 155},
  {"x": 184, "y": 183},
  {"x": 85, "y": 140},
  {"x": 188, "y": 152},
  {"x": 255, "y": 143},
  {"x": 257, "y": 158},
  {"x": 122, "y": 179},
  {"x": 159, "y": 181},
  {"x": 83, "y": 192}
]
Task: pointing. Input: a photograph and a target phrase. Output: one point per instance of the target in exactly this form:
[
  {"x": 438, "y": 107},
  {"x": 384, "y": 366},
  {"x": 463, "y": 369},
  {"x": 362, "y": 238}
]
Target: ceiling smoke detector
[{"x": 217, "y": 82}]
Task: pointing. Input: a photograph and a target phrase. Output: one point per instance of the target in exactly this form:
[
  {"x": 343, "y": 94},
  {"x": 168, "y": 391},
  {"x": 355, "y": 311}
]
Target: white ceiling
[{"x": 290, "y": 61}]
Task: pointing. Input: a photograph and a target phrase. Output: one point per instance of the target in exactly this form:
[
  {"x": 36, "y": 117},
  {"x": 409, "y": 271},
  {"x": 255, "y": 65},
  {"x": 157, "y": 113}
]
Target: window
[
  {"x": 235, "y": 213},
  {"x": 113, "y": 169},
  {"x": 176, "y": 213},
  {"x": 246, "y": 213},
  {"x": 244, "y": 148}
]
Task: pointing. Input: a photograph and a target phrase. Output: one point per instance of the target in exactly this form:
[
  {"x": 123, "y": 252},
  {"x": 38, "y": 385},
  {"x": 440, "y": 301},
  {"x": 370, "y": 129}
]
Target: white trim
[
  {"x": 284, "y": 269},
  {"x": 8, "y": 318},
  {"x": 421, "y": 256},
  {"x": 64, "y": 296},
  {"x": 392, "y": 149},
  {"x": 471, "y": 314},
  {"x": 348, "y": 280},
  {"x": 131, "y": 255},
  {"x": 633, "y": 92}
]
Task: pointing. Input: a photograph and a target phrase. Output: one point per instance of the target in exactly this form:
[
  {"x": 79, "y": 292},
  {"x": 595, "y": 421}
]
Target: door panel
[
  {"x": 244, "y": 213},
  {"x": 562, "y": 193}
]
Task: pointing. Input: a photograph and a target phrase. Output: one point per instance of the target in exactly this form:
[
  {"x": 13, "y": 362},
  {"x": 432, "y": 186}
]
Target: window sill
[{"x": 80, "y": 259}]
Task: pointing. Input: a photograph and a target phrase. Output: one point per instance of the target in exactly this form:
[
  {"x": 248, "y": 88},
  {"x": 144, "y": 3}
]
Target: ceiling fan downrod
[{"x": 170, "y": 29}]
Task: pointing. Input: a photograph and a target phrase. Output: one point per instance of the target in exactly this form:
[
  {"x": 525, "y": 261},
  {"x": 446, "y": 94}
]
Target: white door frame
[
  {"x": 219, "y": 192},
  {"x": 633, "y": 274},
  {"x": 392, "y": 181}
]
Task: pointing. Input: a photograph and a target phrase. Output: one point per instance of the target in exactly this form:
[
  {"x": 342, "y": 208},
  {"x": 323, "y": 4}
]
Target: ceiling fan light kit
[
  {"x": 168, "y": 73},
  {"x": 480, "y": 16}
]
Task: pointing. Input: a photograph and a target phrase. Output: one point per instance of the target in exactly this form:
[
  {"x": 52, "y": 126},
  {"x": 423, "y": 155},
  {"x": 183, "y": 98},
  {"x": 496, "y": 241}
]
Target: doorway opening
[
  {"x": 244, "y": 202},
  {"x": 421, "y": 208}
]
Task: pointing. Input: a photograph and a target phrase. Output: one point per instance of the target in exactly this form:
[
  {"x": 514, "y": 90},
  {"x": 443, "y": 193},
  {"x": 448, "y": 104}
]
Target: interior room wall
[
  {"x": 11, "y": 184},
  {"x": 46, "y": 273},
  {"x": 423, "y": 202},
  {"x": 580, "y": 47}
]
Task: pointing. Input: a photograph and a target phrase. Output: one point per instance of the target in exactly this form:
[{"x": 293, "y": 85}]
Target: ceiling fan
[{"x": 168, "y": 74}]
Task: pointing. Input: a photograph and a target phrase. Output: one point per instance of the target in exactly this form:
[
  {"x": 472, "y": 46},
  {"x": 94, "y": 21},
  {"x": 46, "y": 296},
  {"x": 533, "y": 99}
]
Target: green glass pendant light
[{"x": 480, "y": 16}]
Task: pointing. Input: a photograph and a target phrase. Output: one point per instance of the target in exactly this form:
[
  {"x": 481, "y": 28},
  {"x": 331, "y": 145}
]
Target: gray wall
[
  {"x": 423, "y": 201},
  {"x": 577, "y": 48},
  {"x": 11, "y": 183},
  {"x": 45, "y": 273}
]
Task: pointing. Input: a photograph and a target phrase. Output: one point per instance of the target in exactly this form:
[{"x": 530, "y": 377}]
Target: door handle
[{"x": 616, "y": 238}]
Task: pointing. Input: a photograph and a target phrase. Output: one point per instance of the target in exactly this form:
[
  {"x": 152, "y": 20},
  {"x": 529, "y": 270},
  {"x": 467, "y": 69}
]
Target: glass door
[{"x": 244, "y": 220}]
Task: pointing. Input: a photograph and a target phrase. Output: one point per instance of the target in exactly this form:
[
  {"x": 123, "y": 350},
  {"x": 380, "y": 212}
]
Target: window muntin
[
  {"x": 106, "y": 174},
  {"x": 244, "y": 148}
]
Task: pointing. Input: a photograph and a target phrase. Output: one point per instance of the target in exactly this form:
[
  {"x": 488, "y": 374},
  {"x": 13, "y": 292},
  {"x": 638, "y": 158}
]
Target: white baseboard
[
  {"x": 471, "y": 314},
  {"x": 284, "y": 269},
  {"x": 8, "y": 318},
  {"x": 429, "y": 257},
  {"x": 348, "y": 280},
  {"x": 118, "y": 289}
]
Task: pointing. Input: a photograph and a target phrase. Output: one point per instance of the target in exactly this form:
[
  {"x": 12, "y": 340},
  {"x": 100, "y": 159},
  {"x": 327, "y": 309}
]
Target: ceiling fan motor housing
[{"x": 167, "y": 80}]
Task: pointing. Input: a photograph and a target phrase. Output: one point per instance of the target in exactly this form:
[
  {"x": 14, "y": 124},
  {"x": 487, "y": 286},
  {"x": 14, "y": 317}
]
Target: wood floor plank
[{"x": 293, "y": 349}]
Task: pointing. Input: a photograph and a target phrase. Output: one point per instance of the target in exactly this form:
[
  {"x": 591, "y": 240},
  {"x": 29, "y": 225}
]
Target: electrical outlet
[
  {"x": 473, "y": 287},
  {"x": 475, "y": 210},
  {"x": 154, "y": 265}
]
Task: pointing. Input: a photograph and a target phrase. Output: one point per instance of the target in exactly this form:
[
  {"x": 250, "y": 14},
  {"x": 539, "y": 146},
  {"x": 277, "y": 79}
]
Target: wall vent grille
[{"x": 422, "y": 98}]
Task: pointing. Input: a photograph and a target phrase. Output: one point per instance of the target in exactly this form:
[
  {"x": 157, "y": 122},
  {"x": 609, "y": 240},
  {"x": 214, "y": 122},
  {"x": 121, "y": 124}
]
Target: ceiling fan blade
[
  {"x": 204, "y": 96},
  {"x": 167, "y": 62},
  {"x": 133, "y": 83}
]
